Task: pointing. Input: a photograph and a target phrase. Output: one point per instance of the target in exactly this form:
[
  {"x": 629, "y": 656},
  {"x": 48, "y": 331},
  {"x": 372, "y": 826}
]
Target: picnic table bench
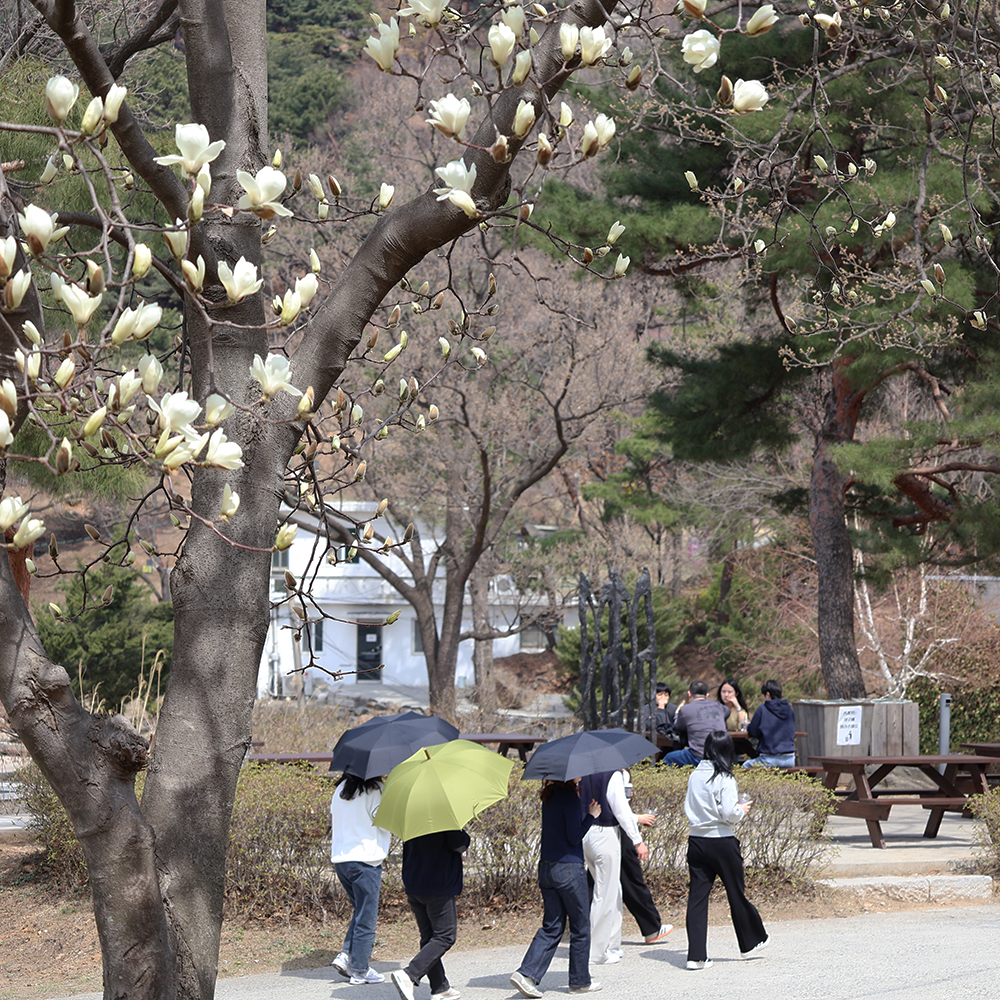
[{"x": 870, "y": 800}]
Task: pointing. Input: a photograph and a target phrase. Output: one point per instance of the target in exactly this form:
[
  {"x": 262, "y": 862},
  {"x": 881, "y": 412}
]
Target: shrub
[{"x": 986, "y": 808}]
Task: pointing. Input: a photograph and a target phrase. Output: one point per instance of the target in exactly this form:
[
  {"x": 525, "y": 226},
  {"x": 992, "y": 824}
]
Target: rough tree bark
[
  {"x": 831, "y": 541},
  {"x": 157, "y": 869}
]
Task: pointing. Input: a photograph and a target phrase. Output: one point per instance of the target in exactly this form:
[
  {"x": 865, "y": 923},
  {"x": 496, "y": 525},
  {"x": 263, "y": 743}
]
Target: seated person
[
  {"x": 693, "y": 721},
  {"x": 731, "y": 696},
  {"x": 773, "y": 726},
  {"x": 658, "y": 718}
]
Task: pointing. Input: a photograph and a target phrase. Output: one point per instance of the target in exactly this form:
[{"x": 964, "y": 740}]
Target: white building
[{"x": 354, "y": 645}]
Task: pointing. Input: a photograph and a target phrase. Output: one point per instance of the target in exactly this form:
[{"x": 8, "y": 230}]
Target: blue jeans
[
  {"x": 682, "y": 758},
  {"x": 362, "y": 883},
  {"x": 772, "y": 760},
  {"x": 564, "y": 895}
]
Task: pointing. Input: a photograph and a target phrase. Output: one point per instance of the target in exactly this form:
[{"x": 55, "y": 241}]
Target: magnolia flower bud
[
  {"x": 92, "y": 116},
  {"x": 928, "y": 286},
  {"x": 499, "y": 150},
  {"x": 939, "y": 276},
  {"x": 978, "y": 320},
  {"x": 359, "y": 474},
  {"x": 621, "y": 265},
  {"x": 821, "y": 163},
  {"x": 692, "y": 180},
  {"x": 724, "y": 95},
  {"x": 544, "y": 155},
  {"x": 634, "y": 78},
  {"x": 945, "y": 233},
  {"x": 385, "y": 195},
  {"x": 285, "y": 537}
]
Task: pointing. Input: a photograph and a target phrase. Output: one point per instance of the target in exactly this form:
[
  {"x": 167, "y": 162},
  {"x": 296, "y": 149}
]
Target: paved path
[{"x": 926, "y": 955}]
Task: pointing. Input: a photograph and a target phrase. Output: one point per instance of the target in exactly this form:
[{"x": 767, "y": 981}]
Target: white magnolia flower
[
  {"x": 147, "y": 319},
  {"x": 113, "y": 102},
  {"x": 175, "y": 412},
  {"x": 8, "y": 397},
  {"x": 128, "y": 385},
  {"x": 195, "y": 273},
  {"x": 28, "y": 531},
  {"x": 39, "y": 228},
  {"x": 195, "y": 148},
  {"x": 306, "y": 287},
  {"x": 449, "y": 115},
  {"x": 230, "y": 502},
  {"x": 383, "y": 49},
  {"x": 150, "y": 371},
  {"x": 241, "y": 281},
  {"x": 593, "y": 44},
  {"x": 222, "y": 453},
  {"x": 143, "y": 260},
  {"x": 92, "y": 116},
  {"x": 60, "y": 96},
  {"x": 502, "y": 42},
  {"x": 513, "y": 17},
  {"x": 64, "y": 373},
  {"x": 430, "y": 10},
  {"x": 456, "y": 177},
  {"x": 274, "y": 375},
  {"x": 217, "y": 409},
  {"x": 15, "y": 289},
  {"x": 522, "y": 67},
  {"x": 6, "y": 439},
  {"x": 749, "y": 95},
  {"x": 285, "y": 537},
  {"x": 569, "y": 38},
  {"x": 8, "y": 253},
  {"x": 13, "y": 508},
  {"x": 177, "y": 239},
  {"x": 385, "y": 193},
  {"x": 700, "y": 49},
  {"x": 615, "y": 231},
  {"x": 291, "y": 306},
  {"x": 693, "y": 8},
  {"x": 262, "y": 191},
  {"x": 524, "y": 118},
  {"x": 605, "y": 129},
  {"x": 565, "y": 115},
  {"x": 81, "y": 305},
  {"x": 621, "y": 265},
  {"x": 764, "y": 20}
]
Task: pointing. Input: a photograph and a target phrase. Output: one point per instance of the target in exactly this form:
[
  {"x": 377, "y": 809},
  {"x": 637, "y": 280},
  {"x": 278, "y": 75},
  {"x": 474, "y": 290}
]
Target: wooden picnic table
[
  {"x": 870, "y": 800},
  {"x": 982, "y": 749},
  {"x": 521, "y": 742}
]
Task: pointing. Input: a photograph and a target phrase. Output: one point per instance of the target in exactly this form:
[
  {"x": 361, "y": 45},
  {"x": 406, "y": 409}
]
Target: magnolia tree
[{"x": 258, "y": 389}]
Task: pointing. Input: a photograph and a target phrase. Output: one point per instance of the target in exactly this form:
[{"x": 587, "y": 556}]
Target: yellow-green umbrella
[{"x": 442, "y": 788}]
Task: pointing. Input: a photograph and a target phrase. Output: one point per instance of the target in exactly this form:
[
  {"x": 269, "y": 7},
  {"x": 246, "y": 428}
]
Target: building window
[
  {"x": 279, "y": 560},
  {"x": 533, "y": 638},
  {"x": 316, "y": 635},
  {"x": 418, "y": 639},
  {"x": 343, "y": 553}
]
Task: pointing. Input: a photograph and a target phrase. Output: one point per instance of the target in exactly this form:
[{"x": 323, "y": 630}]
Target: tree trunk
[
  {"x": 482, "y": 654},
  {"x": 832, "y": 544}
]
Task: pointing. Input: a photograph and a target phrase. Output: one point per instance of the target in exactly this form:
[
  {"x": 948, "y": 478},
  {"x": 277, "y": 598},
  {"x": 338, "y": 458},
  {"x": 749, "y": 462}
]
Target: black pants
[
  {"x": 635, "y": 893},
  {"x": 437, "y": 920},
  {"x": 708, "y": 858}
]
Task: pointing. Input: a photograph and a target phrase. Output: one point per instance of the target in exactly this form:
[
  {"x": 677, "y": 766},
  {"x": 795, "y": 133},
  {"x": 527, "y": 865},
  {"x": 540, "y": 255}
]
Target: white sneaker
[
  {"x": 371, "y": 976},
  {"x": 664, "y": 930},
  {"x": 707, "y": 964},
  {"x": 592, "y": 988},
  {"x": 448, "y": 994},
  {"x": 342, "y": 963},
  {"x": 526, "y": 986},
  {"x": 608, "y": 958},
  {"x": 757, "y": 947},
  {"x": 403, "y": 984}
]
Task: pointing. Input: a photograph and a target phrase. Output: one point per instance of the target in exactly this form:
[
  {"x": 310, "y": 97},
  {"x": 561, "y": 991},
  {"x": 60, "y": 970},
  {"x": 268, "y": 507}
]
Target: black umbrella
[
  {"x": 378, "y": 745},
  {"x": 588, "y": 753}
]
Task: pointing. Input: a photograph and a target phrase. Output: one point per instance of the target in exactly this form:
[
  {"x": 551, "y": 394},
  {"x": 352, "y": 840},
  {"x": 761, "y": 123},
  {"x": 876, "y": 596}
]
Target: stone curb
[{"x": 915, "y": 888}]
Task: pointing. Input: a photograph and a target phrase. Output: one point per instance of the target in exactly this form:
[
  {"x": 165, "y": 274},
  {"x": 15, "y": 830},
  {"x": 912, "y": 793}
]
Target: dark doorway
[{"x": 369, "y": 652}]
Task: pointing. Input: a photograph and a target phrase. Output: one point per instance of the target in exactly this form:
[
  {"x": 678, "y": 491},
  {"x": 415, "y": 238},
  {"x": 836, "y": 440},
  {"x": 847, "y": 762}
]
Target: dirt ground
[{"x": 49, "y": 945}]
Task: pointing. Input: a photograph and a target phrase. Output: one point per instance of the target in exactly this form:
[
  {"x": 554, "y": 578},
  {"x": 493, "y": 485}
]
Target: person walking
[
  {"x": 432, "y": 878},
  {"x": 712, "y": 809},
  {"x": 357, "y": 849},
  {"x": 636, "y": 897},
  {"x": 773, "y": 726},
  {"x": 562, "y": 878},
  {"x": 694, "y": 720},
  {"x": 602, "y": 853}
]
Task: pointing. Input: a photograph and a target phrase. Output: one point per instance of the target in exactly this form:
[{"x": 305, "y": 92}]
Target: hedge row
[{"x": 278, "y": 860}]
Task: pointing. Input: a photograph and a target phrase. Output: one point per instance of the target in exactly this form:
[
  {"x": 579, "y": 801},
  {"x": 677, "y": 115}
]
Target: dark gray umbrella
[
  {"x": 588, "y": 753},
  {"x": 378, "y": 745}
]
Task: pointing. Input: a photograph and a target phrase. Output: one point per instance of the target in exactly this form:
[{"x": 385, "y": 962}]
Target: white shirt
[
  {"x": 354, "y": 835},
  {"x": 621, "y": 808}
]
